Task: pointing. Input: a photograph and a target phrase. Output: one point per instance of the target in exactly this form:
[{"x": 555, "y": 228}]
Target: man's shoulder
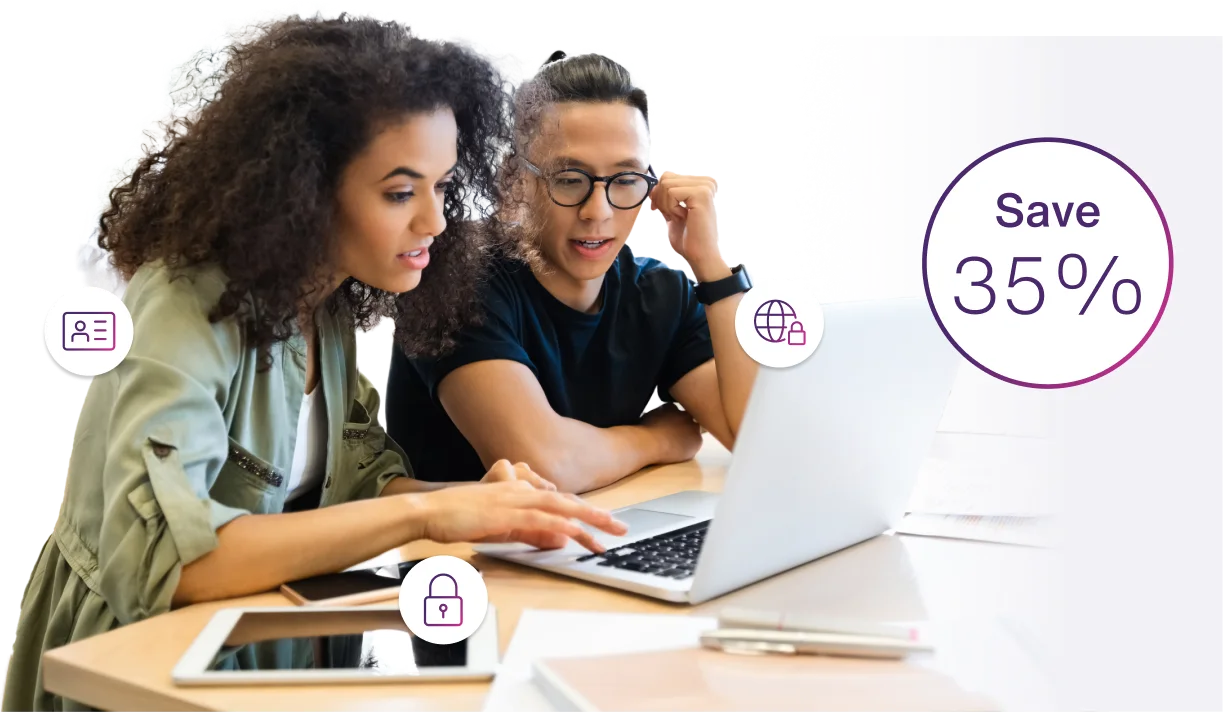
[
  {"x": 504, "y": 288},
  {"x": 505, "y": 275},
  {"x": 651, "y": 277}
]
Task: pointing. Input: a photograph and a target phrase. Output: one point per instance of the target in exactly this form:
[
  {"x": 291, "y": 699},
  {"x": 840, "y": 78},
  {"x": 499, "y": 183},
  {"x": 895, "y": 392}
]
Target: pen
[
  {"x": 758, "y": 641},
  {"x": 740, "y": 618}
]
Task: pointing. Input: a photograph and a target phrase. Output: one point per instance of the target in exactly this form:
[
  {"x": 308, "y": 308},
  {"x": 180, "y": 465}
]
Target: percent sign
[{"x": 1040, "y": 290}]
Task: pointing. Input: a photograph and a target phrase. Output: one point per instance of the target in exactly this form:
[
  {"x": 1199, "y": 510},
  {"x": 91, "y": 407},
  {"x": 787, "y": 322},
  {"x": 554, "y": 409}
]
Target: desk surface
[{"x": 129, "y": 668}]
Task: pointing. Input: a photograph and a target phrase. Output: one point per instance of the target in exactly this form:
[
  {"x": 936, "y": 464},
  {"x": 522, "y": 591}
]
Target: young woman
[
  {"x": 576, "y": 339},
  {"x": 236, "y": 447}
]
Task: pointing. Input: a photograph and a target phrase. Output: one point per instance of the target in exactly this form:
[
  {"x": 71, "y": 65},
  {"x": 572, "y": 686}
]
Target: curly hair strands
[{"x": 247, "y": 174}]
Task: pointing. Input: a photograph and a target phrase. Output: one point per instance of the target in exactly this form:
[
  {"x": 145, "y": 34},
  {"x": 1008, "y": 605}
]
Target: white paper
[
  {"x": 548, "y": 634},
  {"x": 975, "y": 474},
  {"x": 980, "y": 403},
  {"x": 1032, "y": 531}
]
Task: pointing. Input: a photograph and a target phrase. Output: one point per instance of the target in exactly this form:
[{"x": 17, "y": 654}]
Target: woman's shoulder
[
  {"x": 157, "y": 281},
  {"x": 171, "y": 310}
]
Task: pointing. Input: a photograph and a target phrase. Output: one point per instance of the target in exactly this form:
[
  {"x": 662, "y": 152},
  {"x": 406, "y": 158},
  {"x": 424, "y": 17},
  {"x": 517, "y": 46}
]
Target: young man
[{"x": 574, "y": 343}]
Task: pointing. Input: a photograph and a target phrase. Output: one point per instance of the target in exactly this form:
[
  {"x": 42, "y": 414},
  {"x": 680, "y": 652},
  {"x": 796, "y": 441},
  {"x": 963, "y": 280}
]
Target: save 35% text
[
  {"x": 1132, "y": 298},
  {"x": 1035, "y": 284}
]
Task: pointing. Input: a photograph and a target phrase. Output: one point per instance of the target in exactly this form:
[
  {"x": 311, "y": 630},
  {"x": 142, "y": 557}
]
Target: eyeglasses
[{"x": 573, "y": 186}]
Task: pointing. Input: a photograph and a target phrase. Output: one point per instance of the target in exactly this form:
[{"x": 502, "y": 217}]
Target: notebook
[
  {"x": 544, "y": 633},
  {"x": 698, "y": 679}
]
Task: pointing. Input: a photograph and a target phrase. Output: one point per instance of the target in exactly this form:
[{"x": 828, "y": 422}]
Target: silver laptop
[{"x": 826, "y": 457}]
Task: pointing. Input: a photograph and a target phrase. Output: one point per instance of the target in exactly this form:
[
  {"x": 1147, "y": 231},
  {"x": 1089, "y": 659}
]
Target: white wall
[{"x": 829, "y": 156}]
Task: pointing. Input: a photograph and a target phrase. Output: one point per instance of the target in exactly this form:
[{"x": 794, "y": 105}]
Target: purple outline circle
[{"x": 926, "y": 250}]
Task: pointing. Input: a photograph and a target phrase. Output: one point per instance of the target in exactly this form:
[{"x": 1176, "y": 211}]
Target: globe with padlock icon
[
  {"x": 774, "y": 322},
  {"x": 443, "y": 610},
  {"x": 779, "y": 325},
  {"x": 443, "y": 599}
]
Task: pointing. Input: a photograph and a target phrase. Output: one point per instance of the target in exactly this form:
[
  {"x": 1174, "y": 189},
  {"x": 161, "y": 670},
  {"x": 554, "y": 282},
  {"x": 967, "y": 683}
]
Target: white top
[{"x": 310, "y": 449}]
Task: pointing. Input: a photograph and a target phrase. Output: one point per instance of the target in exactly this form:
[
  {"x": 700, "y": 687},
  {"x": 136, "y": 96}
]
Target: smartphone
[
  {"x": 351, "y": 588},
  {"x": 810, "y": 642}
]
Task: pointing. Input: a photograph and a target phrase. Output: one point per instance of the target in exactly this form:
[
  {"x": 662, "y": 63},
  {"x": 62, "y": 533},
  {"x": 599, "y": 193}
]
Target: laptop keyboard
[{"x": 672, "y": 554}]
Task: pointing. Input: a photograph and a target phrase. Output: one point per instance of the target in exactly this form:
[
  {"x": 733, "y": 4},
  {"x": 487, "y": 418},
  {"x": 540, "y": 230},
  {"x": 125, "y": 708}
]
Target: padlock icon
[
  {"x": 797, "y": 336},
  {"x": 444, "y": 610}
]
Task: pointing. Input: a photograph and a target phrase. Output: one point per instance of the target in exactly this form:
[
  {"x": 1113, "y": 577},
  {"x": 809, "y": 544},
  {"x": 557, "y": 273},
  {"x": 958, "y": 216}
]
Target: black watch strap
[{"x": 709, "y": 292}]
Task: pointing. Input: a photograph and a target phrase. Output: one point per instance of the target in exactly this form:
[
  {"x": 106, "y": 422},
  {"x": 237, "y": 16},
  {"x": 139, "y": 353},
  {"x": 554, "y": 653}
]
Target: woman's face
[
  {"x": 391, "y": 201},
  {"x": 601, "y": 139}
]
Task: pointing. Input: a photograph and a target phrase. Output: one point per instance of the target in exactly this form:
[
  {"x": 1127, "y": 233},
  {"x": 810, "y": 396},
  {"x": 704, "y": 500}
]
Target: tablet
[
  {"x": 350, "y": 588},
  {"x": 296, "y": 645}
]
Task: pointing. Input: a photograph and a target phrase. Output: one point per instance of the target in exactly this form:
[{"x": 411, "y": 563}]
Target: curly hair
[{"x": 246, "y": 178}]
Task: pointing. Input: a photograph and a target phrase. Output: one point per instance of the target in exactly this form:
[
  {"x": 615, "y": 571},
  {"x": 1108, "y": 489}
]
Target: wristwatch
[{"x": 709, "y": 292}]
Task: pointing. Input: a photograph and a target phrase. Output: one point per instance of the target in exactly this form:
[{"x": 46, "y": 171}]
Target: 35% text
[{"x": 1132, "y": 298}]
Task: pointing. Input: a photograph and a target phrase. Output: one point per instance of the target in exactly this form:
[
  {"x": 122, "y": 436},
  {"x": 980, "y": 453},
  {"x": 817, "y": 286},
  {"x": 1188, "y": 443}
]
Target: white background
[{"x": 881, "y": 126}]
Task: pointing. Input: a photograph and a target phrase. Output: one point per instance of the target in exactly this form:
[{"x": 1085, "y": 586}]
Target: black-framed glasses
[{"x": 573, "y": 186}]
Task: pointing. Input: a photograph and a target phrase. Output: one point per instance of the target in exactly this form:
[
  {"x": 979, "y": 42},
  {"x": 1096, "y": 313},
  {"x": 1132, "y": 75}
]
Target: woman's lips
[
  {"x": 592, "y": 248},
  {"x": 414, "y": 260}
]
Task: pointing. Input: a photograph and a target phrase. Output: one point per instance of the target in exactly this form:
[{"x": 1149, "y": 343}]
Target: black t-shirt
[{"x": 599, "y": 368}]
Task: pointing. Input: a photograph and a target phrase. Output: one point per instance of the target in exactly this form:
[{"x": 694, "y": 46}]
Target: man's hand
[
  {"x": 678, "y": 436},
  {"x": 503, "y": 472},
  {"x": 686, "y": 202}
]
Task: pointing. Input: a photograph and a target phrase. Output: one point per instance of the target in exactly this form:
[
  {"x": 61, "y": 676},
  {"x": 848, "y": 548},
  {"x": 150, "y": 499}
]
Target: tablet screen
[{"x": 374, "y": 642}]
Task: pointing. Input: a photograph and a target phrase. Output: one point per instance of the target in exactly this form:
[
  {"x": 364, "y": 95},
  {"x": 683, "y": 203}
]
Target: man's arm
[
  {"x": 503, "y": 412},
  {"x": 716, "y": 392}
]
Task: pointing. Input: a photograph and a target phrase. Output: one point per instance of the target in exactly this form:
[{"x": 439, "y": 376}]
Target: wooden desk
[{"x": 129, "y": 668}]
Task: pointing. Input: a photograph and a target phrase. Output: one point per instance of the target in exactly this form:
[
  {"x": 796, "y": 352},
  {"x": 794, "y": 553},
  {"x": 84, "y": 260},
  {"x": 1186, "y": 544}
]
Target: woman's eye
[
  {"x": 628, "y": 181},
  {"x": 405, "y": 196}
]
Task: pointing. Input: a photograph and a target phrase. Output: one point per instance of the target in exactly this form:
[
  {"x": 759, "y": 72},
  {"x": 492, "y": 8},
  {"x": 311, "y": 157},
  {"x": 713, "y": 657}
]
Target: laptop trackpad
[{"x": 640, "y": 521}]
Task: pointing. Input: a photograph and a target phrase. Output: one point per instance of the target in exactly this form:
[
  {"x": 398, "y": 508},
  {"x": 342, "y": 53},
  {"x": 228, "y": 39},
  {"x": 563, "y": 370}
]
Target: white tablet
[{"x": 329, "y": 645}]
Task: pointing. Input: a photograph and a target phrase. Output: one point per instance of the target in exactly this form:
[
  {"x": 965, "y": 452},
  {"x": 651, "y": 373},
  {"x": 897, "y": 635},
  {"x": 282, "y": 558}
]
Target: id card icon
[{"x": 89, "y": 331}]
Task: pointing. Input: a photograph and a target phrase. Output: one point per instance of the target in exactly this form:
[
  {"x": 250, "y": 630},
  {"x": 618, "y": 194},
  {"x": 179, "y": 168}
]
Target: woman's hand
[{"x": 511, "y": 511}]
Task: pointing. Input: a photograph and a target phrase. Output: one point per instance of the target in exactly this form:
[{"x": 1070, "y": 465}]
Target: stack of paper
[
  {"x": 993, "y": 488},
  {"x": 1006, "y": 529}
]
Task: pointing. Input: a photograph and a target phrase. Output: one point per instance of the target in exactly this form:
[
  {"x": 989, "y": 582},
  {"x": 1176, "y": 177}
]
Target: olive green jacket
[{"x": 185, "y": 435}]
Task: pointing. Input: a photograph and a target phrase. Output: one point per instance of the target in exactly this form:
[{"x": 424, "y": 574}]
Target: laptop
[{"x": 826, "y": 457}]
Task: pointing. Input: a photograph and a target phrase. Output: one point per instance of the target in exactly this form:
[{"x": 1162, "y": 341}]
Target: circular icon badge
[
  {"x": 88, "y": 331},
  {"x": 779, "y": 327},
  {"x": 443, "y": 600},
  {"x": 1048, "y": 263}
]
